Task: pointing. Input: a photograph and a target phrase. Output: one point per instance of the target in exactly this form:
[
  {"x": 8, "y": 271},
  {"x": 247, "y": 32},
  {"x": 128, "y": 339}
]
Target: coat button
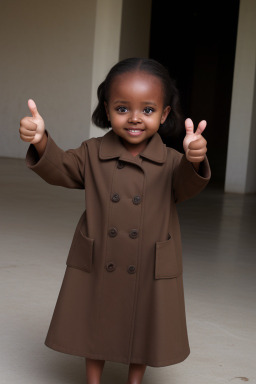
[
  {"x": 115, "y": 197},
  {"x": 133, "y": 234},
  {"x": 112, "y": 232},
  {"x": 110, "y": 267},
  {"x": 136, "y": 200},
  {"x": 120, "y": 164},
  {"x": 131, "y": 269}
]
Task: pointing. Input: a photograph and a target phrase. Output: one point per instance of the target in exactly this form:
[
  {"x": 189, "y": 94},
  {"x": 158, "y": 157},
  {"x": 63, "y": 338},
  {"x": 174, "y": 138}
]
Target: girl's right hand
[{"x": 32, "y": 128}]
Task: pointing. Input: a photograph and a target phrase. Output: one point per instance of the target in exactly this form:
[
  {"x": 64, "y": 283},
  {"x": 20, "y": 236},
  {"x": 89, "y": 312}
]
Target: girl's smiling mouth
[{"x": 134, "y": 132}]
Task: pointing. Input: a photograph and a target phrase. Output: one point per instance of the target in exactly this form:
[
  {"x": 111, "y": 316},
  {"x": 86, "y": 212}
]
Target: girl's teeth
[{"x": 134, "y": 130}]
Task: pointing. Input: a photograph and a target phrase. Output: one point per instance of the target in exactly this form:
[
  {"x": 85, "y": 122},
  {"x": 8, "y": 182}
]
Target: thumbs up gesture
[
  {"x": 194, "y": 143},
  {"x": 32, "y": 128}
]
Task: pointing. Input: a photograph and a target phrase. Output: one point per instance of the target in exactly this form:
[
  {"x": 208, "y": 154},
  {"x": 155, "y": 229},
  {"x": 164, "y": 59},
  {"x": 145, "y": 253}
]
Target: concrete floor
[{"x": 219, "y": 244}]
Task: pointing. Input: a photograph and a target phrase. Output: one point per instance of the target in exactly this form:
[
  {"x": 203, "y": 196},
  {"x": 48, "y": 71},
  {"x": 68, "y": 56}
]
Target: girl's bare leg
[
  {"x": 136, "y": 373},
  {"x": 94, "y": 369}
]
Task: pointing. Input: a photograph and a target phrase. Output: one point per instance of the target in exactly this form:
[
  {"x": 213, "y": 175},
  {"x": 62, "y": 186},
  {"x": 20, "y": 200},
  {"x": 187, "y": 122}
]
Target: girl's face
[{"x": 136, "y": 108}]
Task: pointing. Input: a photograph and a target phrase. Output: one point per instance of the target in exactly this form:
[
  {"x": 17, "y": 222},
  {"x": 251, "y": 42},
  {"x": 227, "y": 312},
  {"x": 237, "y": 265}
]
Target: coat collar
[{"x": 111, "y": 147}]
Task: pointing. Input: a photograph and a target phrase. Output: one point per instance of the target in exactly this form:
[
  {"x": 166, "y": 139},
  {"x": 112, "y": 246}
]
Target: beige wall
[
  {"x": 57, "y": 53},
  {"x": 46, "y": 54},
  {"x": 241, "y": 159},
  {"x": 251, "y": 169},
  {"x": 106, "y": 48}
]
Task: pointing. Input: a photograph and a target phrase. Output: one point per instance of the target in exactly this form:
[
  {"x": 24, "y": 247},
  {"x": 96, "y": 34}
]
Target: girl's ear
[
  {"x": 165, "y": 113},
  {"x": 106, "y": 109}
]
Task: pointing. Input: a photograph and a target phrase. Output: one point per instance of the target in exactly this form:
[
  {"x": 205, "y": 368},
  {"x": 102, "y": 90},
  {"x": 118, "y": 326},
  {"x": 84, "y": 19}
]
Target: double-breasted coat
[{"x": 122, "y": 296}]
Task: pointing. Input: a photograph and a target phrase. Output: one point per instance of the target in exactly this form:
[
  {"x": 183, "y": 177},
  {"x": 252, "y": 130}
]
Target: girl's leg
[
  {"x": 94, "y": 370},
  {"x": 136, "y": 373}
]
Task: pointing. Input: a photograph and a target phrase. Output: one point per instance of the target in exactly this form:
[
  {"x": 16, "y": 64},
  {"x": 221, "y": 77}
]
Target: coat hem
[{"x": 119, "y": 359}]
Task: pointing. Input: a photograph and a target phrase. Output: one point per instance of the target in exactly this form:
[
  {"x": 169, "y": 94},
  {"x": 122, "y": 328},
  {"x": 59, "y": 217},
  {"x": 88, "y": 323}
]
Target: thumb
[
  {"x": 189, "y": 126},
  {"x": 33, "y": 108}
]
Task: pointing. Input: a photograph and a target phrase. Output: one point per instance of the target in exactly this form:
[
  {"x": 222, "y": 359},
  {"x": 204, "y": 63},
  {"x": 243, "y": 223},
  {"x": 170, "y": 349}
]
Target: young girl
[{"x": 122, "y": 294}]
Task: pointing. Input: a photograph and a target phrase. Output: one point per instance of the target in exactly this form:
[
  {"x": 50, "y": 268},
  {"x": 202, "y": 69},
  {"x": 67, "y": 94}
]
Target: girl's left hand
[{"x": 194, "y": 143}]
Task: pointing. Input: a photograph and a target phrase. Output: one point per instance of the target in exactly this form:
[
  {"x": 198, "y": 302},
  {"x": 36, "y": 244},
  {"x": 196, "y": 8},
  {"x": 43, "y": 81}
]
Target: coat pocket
[
  {"x": 81, "y": 252},
  {"x": 167, "y": 264}
]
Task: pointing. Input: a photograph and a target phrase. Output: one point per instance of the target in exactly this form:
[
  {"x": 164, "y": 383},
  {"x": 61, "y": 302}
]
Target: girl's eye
[
  {"x": 121, "y": 109},
  {"x": 148, "y": 110}
]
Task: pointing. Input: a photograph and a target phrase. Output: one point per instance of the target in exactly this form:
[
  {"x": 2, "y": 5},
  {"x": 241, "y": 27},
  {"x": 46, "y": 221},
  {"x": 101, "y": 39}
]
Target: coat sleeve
[
  {"x": 187, "y": 182},
  {"x": 58, "y": 167}
]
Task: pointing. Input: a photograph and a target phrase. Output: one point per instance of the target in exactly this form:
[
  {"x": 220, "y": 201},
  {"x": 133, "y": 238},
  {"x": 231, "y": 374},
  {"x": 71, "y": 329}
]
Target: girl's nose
[{"x": 135, "y": 118}]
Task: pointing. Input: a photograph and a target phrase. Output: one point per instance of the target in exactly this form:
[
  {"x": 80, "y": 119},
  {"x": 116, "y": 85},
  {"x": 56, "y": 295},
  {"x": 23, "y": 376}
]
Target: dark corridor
[{"x": 196, "y": 41}]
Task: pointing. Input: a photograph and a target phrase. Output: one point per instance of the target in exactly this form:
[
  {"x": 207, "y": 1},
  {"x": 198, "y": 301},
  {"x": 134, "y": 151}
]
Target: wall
[
  {"x": 251, "y": 173},
  {"x": 105, "y": 49},
  {"x": 135, "y": 32},
  {"x": 46, "y": 54},
  {"x": 241, "y": 160}
]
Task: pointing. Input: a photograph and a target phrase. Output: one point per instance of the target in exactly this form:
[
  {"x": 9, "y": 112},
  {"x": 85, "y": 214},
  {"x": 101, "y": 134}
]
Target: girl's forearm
[{"x": 40, "y": 147}]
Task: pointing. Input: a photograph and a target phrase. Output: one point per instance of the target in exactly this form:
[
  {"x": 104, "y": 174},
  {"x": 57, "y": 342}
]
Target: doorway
[{"x": 196, "y": 41}]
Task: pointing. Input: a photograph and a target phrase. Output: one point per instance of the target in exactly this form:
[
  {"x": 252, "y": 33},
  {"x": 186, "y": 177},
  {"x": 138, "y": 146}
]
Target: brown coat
[{"x": 122, "y": 294}]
